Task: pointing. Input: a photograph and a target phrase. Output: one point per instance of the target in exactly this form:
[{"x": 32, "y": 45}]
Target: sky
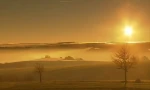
[{"x": 47, "y": 21}]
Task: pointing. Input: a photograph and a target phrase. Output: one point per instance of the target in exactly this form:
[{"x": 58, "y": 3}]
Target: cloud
[{"x": 72, "y": 45}]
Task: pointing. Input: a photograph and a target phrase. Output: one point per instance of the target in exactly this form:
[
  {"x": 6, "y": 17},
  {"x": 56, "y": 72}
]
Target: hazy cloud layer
[{"x": 72, "y": 45}]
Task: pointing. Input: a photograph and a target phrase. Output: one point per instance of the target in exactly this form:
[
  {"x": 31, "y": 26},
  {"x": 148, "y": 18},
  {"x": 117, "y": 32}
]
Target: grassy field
[
  {"x": 72, "y": 85},
  {"x": 72, "y": 76},
  {"x": 71, "y": 71}
]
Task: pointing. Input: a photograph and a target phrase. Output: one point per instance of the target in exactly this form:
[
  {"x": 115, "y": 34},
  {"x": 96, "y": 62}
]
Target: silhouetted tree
[
  {"x": 79, "y": 59},
  {"x": 39, "y": 69},
  {"x": 47, "y": 56},
  {"x": 145, "y": 58},
  {"x": 124, "y": 60},
  {"x": 68, "y": 58}
]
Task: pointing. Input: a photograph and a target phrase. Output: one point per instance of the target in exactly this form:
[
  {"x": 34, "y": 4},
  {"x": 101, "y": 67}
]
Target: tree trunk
[
  {"x": 125, "y": 85},
  {"x": 40, "y": 78}
]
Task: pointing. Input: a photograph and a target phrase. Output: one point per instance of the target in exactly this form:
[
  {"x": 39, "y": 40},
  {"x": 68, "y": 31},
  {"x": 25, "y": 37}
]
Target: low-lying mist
[{"x": 86, "y": 51}]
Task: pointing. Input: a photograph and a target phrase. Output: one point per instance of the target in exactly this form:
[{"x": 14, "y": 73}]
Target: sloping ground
[
  {"x": 74, "y": 71},
  {"x": 49, "y": 64},
  {"x": 61, "y": 85},
  {"x": 98, "y": 72}
]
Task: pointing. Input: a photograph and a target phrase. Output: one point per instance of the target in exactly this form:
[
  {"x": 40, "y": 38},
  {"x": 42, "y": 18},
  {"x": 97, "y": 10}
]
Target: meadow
[
  {"x": 72, "y": 75},
  {"x": 73, "y": 85}
]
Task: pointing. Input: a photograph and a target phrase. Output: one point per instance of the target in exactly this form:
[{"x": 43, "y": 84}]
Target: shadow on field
[
  {"x": 72, "y": 85},
  {"x": 72, "y": 88}
]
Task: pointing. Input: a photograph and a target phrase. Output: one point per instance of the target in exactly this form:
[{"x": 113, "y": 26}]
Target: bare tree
[
  {"x": 124, "y": 60},
  {"x": 39, "y": 69}
]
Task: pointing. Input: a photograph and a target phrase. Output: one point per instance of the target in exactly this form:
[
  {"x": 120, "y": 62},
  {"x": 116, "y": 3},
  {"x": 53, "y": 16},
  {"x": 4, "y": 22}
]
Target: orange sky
[{"x": 30, "y": 21}]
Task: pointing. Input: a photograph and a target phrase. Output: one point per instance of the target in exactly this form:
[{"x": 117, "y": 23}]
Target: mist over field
[
  {"x": 71, "y": 65},
  {"x": 87, "y": 51},
  {"x": 75, "y": 45}
]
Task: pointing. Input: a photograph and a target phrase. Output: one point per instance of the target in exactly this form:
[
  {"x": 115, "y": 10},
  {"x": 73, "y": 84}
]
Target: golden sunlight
[{"x": 128, "y": 31}]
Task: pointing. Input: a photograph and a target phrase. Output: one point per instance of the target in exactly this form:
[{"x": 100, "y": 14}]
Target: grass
[
  {"x": 61, "y": 76},
  {"x": 72, "y": 85}
]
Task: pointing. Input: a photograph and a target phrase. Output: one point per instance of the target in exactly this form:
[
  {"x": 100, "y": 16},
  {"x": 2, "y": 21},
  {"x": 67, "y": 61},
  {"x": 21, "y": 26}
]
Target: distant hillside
[
  {"x": 72, "y": 70},
  {"x": 50, "y": 64}
]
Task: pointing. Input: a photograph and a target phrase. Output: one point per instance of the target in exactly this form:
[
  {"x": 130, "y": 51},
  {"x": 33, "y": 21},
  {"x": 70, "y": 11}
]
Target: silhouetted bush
[
  {"x": 47, "y": 56},
  {"x": 138, "y": 80},
  {"x": 68, "y": 58},
  {"x": 79, "y": 59}
]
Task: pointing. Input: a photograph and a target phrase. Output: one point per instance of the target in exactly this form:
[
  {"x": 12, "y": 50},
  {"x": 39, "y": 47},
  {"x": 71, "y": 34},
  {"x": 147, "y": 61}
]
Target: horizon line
[{"x": 69, "y": 42}]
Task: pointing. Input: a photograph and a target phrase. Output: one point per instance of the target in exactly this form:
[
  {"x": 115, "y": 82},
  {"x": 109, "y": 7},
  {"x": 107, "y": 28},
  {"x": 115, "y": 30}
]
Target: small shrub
[{"x": 138, "y": 80}]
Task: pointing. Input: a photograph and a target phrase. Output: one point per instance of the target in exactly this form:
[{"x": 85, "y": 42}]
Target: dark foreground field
[
  {"x": 72, "y": 85},
  {"x": 72, "y": 75}
]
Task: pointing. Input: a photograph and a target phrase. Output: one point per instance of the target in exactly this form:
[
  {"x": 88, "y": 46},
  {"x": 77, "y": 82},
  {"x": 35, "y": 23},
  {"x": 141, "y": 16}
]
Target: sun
[{"x": 128, "y": 31}]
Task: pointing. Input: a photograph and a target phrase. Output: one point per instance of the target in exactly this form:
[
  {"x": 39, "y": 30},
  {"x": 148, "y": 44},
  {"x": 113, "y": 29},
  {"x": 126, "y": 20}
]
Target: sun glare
[{"x": 128, "y": 31}]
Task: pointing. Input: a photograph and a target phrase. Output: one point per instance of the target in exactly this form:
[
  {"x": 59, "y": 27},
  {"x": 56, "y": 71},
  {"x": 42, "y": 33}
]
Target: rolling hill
[{"x": 72, "y": 71}]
